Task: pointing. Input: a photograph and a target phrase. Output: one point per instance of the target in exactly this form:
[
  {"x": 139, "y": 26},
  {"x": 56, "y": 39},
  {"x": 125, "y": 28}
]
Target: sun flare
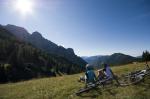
[{"x": 24, "y": 7}]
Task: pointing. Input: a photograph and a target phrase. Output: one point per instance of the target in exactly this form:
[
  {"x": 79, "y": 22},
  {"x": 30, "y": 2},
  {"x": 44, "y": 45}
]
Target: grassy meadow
[{"x": 64, "y": 87}]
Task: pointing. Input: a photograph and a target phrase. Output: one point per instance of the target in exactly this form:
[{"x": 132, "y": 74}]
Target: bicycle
[
  {"x": 134, "y": 77},
  {"x": 125, "y": 80},
  {"x": 98, "y": 83}
]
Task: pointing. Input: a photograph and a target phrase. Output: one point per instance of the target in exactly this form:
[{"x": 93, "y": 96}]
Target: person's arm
[
  {"x": 94, "y": 76},
  {"x": 114, "y": 77},
  {"x": 86, "y": 75},
  {"x": 112, "y": 73}
]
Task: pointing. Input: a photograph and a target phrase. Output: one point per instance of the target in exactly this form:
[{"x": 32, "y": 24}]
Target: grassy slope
[{"x": 65, "y": 86}]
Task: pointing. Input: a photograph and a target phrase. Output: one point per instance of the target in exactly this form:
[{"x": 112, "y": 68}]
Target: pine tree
[{"x": 146, "y": 56}]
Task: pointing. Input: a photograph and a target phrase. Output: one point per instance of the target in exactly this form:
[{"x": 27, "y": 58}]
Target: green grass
[{"x": 64, "y": 88}]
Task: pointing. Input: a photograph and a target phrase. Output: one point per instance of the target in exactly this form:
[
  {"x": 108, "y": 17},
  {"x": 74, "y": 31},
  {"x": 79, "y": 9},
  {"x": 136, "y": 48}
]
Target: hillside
[
  {"x": 114, "y": 59},
  {"x": 64, "y": 88},
  {"x": 20, "y": 60},
  {"x": 44, "y": 44}
]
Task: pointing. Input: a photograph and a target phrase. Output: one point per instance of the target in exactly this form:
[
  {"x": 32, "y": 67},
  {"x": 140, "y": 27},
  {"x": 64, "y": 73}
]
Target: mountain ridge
[
  {"x": 20, "y": 60},
  {"x": 114, "y": 59},
  {"x": 44, "y": 44}
]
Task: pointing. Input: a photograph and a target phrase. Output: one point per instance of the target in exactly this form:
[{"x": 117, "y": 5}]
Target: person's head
[
  {"x": 89, "y": 67},
  {"x": 105, "y": 65}
]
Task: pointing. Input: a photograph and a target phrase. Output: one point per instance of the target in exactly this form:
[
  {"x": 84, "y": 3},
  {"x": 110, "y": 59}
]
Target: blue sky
[{"x": 90, "y": 27}]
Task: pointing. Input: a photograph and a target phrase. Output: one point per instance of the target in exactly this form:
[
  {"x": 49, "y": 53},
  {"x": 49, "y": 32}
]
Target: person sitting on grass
[
  {"x": 109, "y": 74},
  {"x": 89, "y": 74}
]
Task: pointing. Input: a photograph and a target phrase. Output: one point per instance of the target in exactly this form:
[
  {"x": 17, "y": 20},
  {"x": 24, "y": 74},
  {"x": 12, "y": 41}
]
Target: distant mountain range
[
  {"x": 25, "y": 56},
  {"x": 114, "y": 59}
]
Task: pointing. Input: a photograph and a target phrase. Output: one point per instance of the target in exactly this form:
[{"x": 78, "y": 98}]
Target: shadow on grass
[
  {"x": 145, "y": 84},
  {"x": 96, "y": 92},
  {"x": 143, "y": 91}
]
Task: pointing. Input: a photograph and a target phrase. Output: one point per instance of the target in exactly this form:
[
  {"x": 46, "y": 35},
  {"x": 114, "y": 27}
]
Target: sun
[{"x": 24, "y": 7}]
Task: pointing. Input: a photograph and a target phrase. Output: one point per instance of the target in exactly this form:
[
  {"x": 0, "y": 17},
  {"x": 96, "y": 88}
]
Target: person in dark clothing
[
  {"x": 90, "y": 75},
  {"x": 109, "y": 73}
]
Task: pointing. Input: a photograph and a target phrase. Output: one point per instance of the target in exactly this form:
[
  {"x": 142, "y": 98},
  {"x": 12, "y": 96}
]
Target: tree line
[{"x": 146, "y": 56}]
